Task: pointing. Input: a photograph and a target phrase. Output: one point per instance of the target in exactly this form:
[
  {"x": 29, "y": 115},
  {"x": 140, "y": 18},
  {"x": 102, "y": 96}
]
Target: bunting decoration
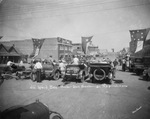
[
  {"x": 85, "y": 43},
  {"x": 138, "y": 38},
  {"x": 37, "y": 44}
]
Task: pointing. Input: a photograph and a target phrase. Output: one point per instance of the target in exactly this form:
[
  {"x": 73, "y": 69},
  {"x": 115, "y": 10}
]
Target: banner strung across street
[
  {"x": 37, "y": 44},
  {"x": 138, "y": 38},
  {"x": 85, "y": 43}
]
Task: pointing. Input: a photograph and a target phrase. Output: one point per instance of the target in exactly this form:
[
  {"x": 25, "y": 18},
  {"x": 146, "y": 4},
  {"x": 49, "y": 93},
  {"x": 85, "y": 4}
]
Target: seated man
[{"x": 62, "y": 67}]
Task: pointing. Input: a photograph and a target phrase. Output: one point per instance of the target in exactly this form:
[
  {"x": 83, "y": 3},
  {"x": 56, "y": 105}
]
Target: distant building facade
[
  {"x": 103, "y": 51},
  {"x": 93, "y": 50},
  {"x": 77, "y": 48},
  {"x": 56, "y": 47}
]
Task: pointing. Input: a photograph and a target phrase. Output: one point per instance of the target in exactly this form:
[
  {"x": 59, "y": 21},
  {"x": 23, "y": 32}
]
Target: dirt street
[{"x": 127, "y": 98}]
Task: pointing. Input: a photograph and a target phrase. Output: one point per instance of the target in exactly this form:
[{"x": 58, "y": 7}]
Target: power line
[
  {"x": 54, "y": 3},
  {"x": 26, "y": 10},
  {"x": 83, "y": 12}
]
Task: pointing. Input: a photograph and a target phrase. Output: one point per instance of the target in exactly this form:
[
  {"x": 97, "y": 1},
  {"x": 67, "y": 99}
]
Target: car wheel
[
  {"x": 110, "y": 81},
  {"x": 83, "y": 78},
  {"x": 1, "y": 80},
  {"x": 64, "y": 79},
  {"x": 146, "y": 77},
  {"x": 56, "y": 75},
  {"x": 93, "y": 80},
  {"x": 55, "y": 116},
  {"x": 33, "y": 77},
  {"x": 18, "y": 76},
  {"x": 137, "y": 72}
]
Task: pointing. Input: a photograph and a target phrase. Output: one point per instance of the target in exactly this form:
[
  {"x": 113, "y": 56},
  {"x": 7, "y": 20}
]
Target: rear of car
[
  {"x": 74, "y": 72},
  {"x": 100, "y": 72},
  {"x": 138, "y": 66}
]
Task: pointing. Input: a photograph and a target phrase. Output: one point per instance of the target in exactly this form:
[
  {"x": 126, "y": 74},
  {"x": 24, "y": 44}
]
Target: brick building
[
  {"x": 77, "y": 48},
  {"x": 57, "y": 47}
]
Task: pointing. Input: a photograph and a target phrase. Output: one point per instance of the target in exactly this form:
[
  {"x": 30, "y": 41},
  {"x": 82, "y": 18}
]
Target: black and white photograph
[{"x": 74, "y": 59}]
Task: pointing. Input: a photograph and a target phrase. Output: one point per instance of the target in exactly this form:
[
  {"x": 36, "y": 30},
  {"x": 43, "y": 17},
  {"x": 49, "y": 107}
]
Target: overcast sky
[{"x": 108, "y": 21}]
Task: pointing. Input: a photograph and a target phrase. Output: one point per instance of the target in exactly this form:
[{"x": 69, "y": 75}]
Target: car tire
[
  {"x": 146, "y": 77},
  {"x": 33, "y": 77},
  {"x": 64, "y": 79},
  {"x": 137, "y": 72},
  {"x": 18, "y": 76},
  {"x": 56, "y": 75},
  {"x": 93, "y": 80},
  {"x": 110, "y": 81},
  {"x": 55, "y": 116},
  {"x": 83, "y": 78}
]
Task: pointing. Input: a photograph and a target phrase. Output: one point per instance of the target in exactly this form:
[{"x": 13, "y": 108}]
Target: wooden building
[{"x": 9, "y": 53}]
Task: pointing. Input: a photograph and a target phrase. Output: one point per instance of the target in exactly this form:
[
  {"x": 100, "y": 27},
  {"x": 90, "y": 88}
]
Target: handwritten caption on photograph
[{"x": 49, "y": 87}]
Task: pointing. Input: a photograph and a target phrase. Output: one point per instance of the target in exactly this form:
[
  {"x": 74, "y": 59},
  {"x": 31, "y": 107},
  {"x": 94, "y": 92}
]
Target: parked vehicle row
[{"x": 79, "y": 73}]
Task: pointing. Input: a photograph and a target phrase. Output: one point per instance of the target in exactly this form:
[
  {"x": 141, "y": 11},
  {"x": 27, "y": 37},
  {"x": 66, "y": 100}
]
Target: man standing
[
  {"x": 62, "y": 67},
  {"x": 123, "y": 64},
  {"x": 38, "y": 67},
  {"x": 115, "y": 63},
  {"x": 75, "y": 60}
]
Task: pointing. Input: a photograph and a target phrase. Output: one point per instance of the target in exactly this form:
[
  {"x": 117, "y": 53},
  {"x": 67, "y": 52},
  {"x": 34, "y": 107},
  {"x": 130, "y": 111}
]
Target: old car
[
  {"x": 100, "y": 71},
  {"x": 146, "y": 72},
  {"x": 49, "y": 71},
  {"x": 76, "y": 72},
  {"x": 35, "y": 110},
  {"x": 138, "y": 65}
]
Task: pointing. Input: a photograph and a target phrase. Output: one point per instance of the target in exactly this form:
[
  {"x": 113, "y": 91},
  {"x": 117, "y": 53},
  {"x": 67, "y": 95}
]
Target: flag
[
  {"x": 138, "y": 38},
  {"x": 85, "y": 43},
  {"x": 133, "y": 46},
  {"x": 37, "y": 44}
]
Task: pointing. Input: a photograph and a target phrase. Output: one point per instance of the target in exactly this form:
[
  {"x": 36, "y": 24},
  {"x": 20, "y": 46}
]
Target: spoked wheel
[
  {"x": 18, "y": 75},
  {"x": 33, "y": 76},
  {"x": 56, "y": 75}
]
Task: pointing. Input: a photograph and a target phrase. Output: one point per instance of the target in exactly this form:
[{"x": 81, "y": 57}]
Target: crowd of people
[{"x": 37, "y": 64}]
